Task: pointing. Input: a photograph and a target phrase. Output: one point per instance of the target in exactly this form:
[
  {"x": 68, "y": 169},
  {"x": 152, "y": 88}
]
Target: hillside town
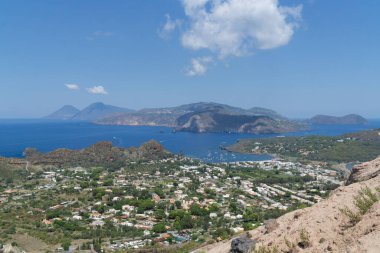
[{"x": 173, "y": 202}]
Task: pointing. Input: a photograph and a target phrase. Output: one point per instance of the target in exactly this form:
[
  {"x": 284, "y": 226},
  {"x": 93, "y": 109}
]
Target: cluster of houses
[{"x": 214, "y": 187}]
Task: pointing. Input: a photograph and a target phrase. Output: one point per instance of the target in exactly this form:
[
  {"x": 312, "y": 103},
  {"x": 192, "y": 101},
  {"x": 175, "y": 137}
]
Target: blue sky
[{"x": 297, "y": 57}]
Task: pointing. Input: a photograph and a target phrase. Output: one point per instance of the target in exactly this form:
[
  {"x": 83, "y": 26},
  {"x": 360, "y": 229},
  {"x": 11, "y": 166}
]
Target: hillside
[
  {"x": 219, "y": 120},
  {"x": 361, "y": 146},
  {"x": 347, "y": 221},
  {"x": 99, "y": 154},
  {"x": 65, "y": 113},
  {"x": 267, "y": 112},
  {"x": 208, "y": 117},
  {"x": 351, "y": 119}
]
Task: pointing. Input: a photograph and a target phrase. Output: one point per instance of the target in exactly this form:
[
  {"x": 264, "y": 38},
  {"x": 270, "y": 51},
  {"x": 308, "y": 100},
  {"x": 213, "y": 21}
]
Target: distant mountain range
[
  {"x": 209, "y": 117},
  {"x": 199, "y": 117},
  {"x": 351, "y": 119},
  {"x": 93, "y": 112}
]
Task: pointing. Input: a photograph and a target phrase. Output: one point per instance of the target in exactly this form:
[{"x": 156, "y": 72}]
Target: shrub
[
  {"x": 305, "y": 239},
  {"x": 264, "y": 249},
  {"x": 363, "y": 203},
  {"x": 66, "y": 243},
  {"x": 352, "y": 216}
]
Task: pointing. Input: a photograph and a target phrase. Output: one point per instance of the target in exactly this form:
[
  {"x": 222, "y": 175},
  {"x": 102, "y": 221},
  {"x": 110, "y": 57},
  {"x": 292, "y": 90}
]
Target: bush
[
  {"x": 264, "y": 249},
  {"x": 363, "y": 203},
  {"x": 305, "y": 239},
  {"x": 66, "y": 243},
  {"x": 159, "y": 228}
]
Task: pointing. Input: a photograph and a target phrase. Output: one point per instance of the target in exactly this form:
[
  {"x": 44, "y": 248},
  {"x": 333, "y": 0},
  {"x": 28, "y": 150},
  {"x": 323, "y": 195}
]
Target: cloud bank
[
  {"x": 97, "y": 90},
  {"x": 235, "y": 28}
]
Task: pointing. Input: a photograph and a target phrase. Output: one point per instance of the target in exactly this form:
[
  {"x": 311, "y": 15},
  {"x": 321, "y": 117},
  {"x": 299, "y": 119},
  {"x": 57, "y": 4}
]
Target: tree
[
  {"x": 178, "y": 204},
  {"x": 187, "y": 222},
  {"x": 159, "y": 214},
  {"x": 159, "y": 228},
  {"x": 66, "y": 243},
  {"x": 196, "y": 210},
  {"x": 250, "y": 216}
]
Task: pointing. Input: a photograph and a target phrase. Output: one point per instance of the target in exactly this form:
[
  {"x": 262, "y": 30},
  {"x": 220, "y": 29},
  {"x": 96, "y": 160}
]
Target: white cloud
[
  {"x": 232, "y": 28},
  {"x": 199, "y": 66},
  {"x": 72, "y": 86},
  {"x": 97, "y": 90},
  {"x": 238, "y": 27},
  {"x": 169, "y": 26}
]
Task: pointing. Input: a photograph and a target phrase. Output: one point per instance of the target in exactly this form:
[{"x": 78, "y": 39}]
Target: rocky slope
[
  {"x": 219, "y": 120},
  {"x": 323, "y": 227},
  {"x": 351, "y": 119}
]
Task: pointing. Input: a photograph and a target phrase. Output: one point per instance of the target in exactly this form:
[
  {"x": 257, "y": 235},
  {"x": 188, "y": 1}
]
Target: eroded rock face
[
  {"x": 364, "y": 172},
  {"x": 242, "y": 245}
]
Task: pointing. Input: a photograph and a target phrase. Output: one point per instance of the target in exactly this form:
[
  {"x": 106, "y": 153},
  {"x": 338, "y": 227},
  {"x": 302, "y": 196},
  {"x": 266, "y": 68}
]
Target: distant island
[
  {"x": 350, "y": 119},
  {"x": 92, "y": 112},
  {"x": 199, "y": 117},
  {"x": 202, "y": 117}
]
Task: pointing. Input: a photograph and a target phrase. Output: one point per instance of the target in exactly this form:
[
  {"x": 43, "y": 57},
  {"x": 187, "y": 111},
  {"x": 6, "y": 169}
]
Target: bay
[{"x": 16, "y": 135}]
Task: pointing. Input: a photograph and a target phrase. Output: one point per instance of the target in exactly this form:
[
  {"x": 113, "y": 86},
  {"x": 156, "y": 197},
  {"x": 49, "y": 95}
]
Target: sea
[{"x": 16, "y": 135}]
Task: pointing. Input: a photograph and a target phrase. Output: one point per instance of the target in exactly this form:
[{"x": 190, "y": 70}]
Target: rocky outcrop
[
  {"x": 8, "y": 248},
  {"x": 242, "y": 245},
  {"x": 324, "y": 227},
  {"x": 364, "y": 172}
]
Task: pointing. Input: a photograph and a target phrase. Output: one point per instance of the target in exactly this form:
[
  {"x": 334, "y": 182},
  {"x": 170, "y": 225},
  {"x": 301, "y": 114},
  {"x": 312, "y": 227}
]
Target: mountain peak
[
  {"x": 66, "y": 112},
  {"x": 94, "y": 111}
]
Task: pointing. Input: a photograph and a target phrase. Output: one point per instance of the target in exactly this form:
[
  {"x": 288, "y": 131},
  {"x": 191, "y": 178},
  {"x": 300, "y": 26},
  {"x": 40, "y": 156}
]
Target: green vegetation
[
  {"x": 263, "y": 249},
  {"x": 304, "y": 239},
  {"x": 174, "y": 204},
  {"x": 361, "y": 146},
  {"x": 363, "y": 203}
]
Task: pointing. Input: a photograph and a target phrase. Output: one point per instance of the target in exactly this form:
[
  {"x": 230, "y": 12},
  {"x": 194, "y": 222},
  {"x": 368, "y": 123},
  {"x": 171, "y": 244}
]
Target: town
[{"x": 176, "y": 203}]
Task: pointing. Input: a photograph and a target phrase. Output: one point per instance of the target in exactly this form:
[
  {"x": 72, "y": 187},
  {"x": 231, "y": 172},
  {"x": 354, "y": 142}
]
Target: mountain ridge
[
  {"x": 204, "y": 117},
  {"x": 349, "y": 119}
]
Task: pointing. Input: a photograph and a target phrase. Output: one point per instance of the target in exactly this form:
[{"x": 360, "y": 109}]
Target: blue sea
[{"x": 16, "y": 135}]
